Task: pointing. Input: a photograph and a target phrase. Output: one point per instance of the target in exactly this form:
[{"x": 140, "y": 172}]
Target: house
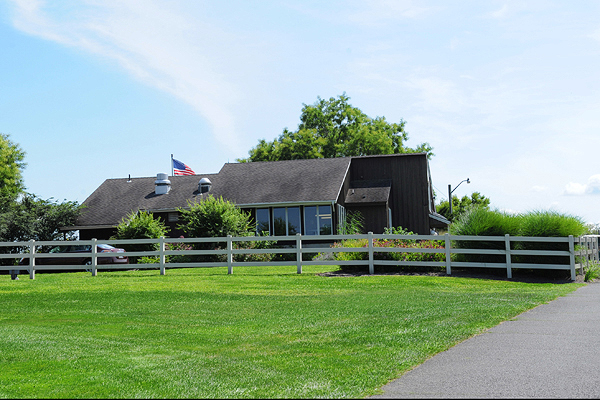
[{"x": 284, "y": 197}]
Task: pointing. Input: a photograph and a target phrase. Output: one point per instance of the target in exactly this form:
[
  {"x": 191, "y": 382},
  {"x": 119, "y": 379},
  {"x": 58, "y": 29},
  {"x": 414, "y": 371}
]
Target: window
[
  {"x": 318, "y": 220},
  {"x": 293, "y": 221},
  {"x": 286, "y": 220},
  {"x": 262, "y": 220}
]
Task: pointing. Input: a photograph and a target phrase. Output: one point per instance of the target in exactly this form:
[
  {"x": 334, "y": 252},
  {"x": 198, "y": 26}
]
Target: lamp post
[{"x": 450, "y": 191}]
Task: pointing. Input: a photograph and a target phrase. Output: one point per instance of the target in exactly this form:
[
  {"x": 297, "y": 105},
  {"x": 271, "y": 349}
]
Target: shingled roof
[{"x": 245, "y": 184}]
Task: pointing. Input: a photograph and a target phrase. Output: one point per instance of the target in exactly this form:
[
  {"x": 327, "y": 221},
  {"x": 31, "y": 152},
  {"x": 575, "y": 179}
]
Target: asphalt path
[{"x": 551, "y": 351}]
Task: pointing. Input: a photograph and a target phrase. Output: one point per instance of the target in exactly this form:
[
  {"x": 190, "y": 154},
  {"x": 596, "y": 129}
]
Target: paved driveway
[{"x": 551, "y": 351}]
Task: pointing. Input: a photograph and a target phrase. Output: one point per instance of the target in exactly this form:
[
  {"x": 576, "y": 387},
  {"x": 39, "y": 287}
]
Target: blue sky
[{"x": 506, "y": 92}]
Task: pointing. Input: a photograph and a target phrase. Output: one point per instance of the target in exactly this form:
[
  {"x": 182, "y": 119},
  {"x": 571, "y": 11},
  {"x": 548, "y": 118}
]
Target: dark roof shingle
[{"x": 275, "y": 182}]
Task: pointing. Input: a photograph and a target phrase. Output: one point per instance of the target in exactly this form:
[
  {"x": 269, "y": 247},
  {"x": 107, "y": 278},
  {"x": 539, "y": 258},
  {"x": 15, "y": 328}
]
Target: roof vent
[
  {"x": 204, "y": 185},
  {"x": 162, "y": 185}
]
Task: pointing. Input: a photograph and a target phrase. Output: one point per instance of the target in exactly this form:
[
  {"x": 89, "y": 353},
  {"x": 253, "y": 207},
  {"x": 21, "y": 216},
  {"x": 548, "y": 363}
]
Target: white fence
[{"x": 302, "y": 244}]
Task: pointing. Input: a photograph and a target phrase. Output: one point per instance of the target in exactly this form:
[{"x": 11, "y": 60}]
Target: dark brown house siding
[{"x": 409, "y": 195}]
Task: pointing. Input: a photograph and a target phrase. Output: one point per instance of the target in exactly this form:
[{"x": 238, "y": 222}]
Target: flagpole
[{"x": 172, "y": 172}]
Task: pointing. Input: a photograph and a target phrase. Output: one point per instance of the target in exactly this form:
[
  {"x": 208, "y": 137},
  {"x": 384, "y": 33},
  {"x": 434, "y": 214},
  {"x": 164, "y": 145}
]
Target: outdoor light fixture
[{"x": 450, "y": 191}]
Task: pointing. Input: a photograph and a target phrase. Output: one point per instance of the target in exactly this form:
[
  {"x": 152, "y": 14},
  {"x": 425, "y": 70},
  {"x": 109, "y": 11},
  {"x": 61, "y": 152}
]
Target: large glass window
[
  {"x": 286, "y": 220},
  {"x": 293, "y": 220},
  {"x": 325, "y": 220},
  {"x": 262, "y": 220},
  {"x": 318, "y": 220},
  {"x": 279, "y": 221},
  {"x": 311, "y": 226}
]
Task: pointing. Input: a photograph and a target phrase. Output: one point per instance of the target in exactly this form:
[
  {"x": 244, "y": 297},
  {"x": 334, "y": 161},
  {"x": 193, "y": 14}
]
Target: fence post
[
  {"x": 508, "y": 256},
  {"x": 32, "y": 259},
  {"x": 229, "y": 255},
  {"x": 371, "y": 265},
  {"x": 162, "y": 256},
  {"x": 448, "y": 253},
  {"x": 572, "y": 256},
  {"x": 299, "y": 252},
  {"x": 94, "y": 258}
]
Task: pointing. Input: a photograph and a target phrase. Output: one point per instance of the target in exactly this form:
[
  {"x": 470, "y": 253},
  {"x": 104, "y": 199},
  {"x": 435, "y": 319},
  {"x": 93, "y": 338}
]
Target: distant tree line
[{"x": 25, "y": 216}]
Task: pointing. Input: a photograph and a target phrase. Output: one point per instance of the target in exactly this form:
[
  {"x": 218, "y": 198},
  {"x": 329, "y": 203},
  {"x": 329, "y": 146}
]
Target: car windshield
[{"x": 105, "y": 246}]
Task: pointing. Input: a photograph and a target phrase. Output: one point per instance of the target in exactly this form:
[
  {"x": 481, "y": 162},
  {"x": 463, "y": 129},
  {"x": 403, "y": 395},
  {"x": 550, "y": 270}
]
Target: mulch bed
[{"x": 549, "y": 276}]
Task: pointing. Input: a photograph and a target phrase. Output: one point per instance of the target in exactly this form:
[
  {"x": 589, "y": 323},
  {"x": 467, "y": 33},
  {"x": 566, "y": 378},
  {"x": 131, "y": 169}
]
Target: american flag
[{"x": 180, "y": 168}]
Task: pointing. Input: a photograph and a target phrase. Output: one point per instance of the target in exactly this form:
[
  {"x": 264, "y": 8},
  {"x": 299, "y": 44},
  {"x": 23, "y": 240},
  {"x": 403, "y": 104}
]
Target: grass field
[{"x": 261, "y": 332}]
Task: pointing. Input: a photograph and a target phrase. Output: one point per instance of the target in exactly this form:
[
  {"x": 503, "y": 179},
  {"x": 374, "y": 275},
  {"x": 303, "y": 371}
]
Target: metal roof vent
[
  {"x": 162, "y": 184},
  {"x": 204, "y": 185}
]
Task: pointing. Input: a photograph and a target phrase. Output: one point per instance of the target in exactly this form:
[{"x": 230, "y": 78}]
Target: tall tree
[
  {"x": 334, "y": 128},
  {"x": 11, "y": 166},
  {"x": 460, "y": 206}
]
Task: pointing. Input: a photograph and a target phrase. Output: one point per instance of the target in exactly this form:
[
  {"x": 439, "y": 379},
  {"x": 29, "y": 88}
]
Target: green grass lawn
[{"x": 261, "y": 332}]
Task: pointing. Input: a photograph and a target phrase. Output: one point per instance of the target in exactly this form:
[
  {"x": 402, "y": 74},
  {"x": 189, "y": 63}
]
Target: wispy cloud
[
  {"x": 592, "y": 187},
  {"x": 156, "y": 45}
]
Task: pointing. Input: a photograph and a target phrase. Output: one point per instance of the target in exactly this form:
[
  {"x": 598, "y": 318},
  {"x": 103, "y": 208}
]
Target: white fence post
[
  {"x": 162, "y": 256},
  {"x": 371, "y": 264},
  {"x": 229, "y": 255},
  {"x": 572, "y": 256},
  {"x": 94, "y": 257},
  {"x": 448, "y": 257},
  {"x": 299, "y": 253},
  {"x": 508, "y": 256},
  {"x": 32, "y": 259}
]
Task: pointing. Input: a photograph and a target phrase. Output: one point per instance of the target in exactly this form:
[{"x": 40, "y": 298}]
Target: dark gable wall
[{"x": 409, "y": 200}]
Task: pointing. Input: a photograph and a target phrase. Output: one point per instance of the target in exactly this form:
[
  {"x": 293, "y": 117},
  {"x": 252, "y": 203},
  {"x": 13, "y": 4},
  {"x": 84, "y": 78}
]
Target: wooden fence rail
[{"x": 587, "y": 252}]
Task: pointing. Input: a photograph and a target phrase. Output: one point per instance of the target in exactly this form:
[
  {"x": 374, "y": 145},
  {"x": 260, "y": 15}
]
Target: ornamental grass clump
[
  {"x": 548, "y": 224},
  {"x": 479, "y": 221}
]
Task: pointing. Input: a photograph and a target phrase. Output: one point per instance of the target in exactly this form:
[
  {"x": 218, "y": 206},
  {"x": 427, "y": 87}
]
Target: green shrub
[
  {"x": 350, "y": 256},
  {"x": 250, "y": 245},
  {"x": 397, "y": 243},
  {"x": 214, "y": 217},
  {"x": 592, "y": 271},
  {"x": 140, "y": 225}
]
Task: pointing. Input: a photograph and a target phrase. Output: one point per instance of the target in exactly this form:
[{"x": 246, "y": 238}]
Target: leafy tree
[
  {"x": 214, "y": 217},
  {"x": 37, "y": 219},
  {"x": 460, "y": 206},
  {"x": 140, "y": 225},
  {"x": 33, "y": 218},
  {"x": 334, "y": 128},
  {"x": 11, "y": 166}
]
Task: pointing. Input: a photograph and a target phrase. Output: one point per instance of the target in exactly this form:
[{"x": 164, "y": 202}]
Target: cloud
[
  {"x": 160, "y": 47},
  {"x": 539, "y": 189},
  {"x": 592, "y": 187},
  {"x": 500, "y": 13}
]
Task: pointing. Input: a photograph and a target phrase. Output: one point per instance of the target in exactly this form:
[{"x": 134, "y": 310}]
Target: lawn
[{"x": 261, "y": 332}]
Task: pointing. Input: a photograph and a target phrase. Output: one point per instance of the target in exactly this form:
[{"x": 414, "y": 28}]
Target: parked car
[{"x": 85, "y": 259}]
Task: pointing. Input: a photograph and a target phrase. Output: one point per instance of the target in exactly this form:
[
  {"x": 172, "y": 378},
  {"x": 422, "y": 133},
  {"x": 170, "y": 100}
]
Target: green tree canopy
[
  {"x": 11, "y": 167},
  {"x": 140, "y": 225},
  {"x": 460, "y": 206},
  {"x": 37, "y": 219},
  {"x": 215, "y": 217},
  {"x": 334, "y": 128}
]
